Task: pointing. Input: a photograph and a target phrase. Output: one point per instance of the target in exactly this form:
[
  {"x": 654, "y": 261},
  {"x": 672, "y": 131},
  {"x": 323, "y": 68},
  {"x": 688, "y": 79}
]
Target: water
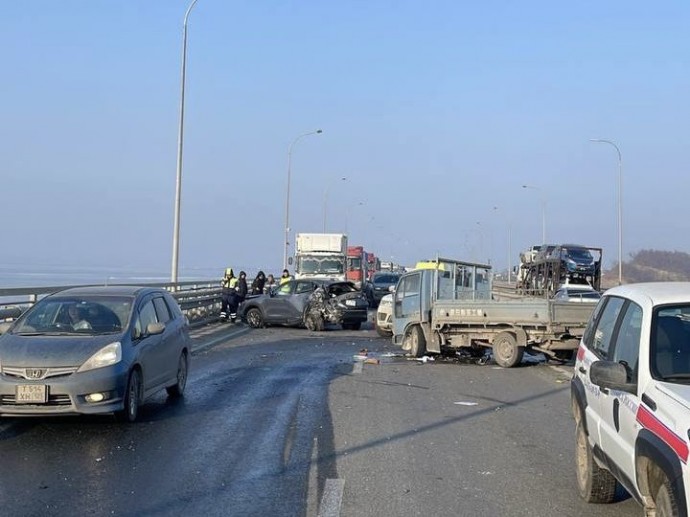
[{"x": 19, "y": 275}]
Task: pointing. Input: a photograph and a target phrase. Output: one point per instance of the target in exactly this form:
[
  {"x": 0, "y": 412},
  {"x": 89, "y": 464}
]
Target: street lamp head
[{"x": 319, "y": 131}]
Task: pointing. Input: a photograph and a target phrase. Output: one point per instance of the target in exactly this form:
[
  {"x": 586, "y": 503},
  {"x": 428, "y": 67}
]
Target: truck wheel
[
  {"x": 417, "y": 342},
  {"x": 314, "y": 322},
  {"x": 507, "y": 353},
  {"x": 666, "y": 500},
  {"x": 596, "y": 485}
]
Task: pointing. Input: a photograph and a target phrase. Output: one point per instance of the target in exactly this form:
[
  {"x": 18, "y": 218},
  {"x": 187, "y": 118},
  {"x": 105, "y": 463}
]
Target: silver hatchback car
[{"x": 90, "y": 350}]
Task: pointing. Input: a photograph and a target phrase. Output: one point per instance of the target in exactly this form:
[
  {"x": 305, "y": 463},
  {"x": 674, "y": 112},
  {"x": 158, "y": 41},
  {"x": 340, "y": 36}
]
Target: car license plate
[
  {"x": 351, "y": 303},
  {"x": 31, "y": 394}
]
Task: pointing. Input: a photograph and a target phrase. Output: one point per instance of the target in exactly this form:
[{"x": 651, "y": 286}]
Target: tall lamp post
[
  {"x": 180, "y": 138},
  {"x": 620, "y": 205},
  {"x": 325, "y": 203},
  {"x": 287, "y": 194},
  {"x": 543, "y": 211},
  {"x": 510, "y": 251}
]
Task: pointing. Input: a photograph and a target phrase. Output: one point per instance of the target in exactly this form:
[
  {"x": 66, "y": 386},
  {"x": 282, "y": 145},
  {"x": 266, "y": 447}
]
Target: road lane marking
[
  {"x": 219, "y": 339},
  {"x": 332, "y": 498}
]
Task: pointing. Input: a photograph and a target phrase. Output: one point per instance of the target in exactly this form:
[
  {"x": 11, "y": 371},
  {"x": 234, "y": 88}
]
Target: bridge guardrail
[{"x": 199, "y": 300}]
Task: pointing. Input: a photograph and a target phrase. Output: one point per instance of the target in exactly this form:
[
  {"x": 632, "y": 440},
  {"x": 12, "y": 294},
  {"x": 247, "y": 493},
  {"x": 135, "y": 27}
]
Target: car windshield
[
  {"x": 670, "y": 344},
  {"x": 324, "y": 265},
  {"x": 76, "y": 315},
  {"x": 386, "y": 279},
  {"x": 579, "y": 254}
]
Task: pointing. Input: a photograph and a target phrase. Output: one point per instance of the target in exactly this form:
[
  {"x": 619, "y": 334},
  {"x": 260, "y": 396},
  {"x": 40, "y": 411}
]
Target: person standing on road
[
  {"x": 285, "y": 277},
  {"x": 239, "y": 295},
  {"x": 228, "y": 284},
  {"x": 270, "y": 284},
  {"x": 258, "y": 283}
]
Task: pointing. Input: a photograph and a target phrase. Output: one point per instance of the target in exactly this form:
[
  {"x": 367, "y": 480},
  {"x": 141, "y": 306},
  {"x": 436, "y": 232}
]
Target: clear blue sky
[{"x": 436, "y": 112}]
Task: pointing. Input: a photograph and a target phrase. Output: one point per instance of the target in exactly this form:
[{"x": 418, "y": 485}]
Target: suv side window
[
  {"x": 627, "y": 347},
  {"x": 161, "y": 309},
  {"x": 603, "y": 333},
  {"x": 588, "y": 336}
]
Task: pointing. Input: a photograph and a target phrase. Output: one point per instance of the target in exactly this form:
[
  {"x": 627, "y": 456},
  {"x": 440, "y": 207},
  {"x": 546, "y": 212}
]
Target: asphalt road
[{"x": 286, "y": 422}]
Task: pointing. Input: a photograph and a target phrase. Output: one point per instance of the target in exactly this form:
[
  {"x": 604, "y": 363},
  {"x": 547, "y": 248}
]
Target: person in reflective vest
[
  {"x": 238, "y": 296},
  {"x": 228, "y": 285},
  {"x": 285, "y": 277}
]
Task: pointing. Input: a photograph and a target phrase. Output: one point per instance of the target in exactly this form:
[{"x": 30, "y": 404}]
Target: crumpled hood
[{"x": 51, "y": 351}]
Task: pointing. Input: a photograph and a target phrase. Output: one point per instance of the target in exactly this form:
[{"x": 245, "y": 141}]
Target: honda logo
[{"x": 34, "y": 373}]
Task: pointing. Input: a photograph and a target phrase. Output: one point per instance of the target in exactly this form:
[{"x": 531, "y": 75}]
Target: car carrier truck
[{"x": 450, "y": 306}]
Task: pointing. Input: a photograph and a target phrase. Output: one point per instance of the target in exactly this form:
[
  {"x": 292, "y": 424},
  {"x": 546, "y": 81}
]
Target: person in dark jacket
[
  {"x": 258, "y": 283},
  {"x": 240, "y": 295}
]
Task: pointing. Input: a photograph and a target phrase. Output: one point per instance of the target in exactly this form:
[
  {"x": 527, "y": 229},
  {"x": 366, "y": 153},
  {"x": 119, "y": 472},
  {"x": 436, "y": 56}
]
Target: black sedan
[
  {"x": 380, "y": 285},
  {"x": 91, "y": 350},
  {"x": 307, "y": 302}
]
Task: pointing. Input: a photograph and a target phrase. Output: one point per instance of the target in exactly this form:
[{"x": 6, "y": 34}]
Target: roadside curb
[{"x": 225, "y": 336}]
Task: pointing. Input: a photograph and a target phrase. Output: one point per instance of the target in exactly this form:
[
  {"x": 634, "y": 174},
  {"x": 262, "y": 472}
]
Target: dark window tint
[
  {"x": 162, "y": 310},
  {"x": 304, "y": 287}
]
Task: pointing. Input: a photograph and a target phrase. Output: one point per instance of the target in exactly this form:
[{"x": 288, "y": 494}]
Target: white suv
[{"x": 631, "y": 398}]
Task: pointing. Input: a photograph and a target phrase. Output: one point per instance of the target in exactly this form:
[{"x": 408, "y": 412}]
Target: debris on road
[{"x": 464, "y": 403}]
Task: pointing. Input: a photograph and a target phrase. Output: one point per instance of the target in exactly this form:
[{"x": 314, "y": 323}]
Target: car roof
[
  {"x": 656, "y": 293},
  {"x": 108, "y": 290}
]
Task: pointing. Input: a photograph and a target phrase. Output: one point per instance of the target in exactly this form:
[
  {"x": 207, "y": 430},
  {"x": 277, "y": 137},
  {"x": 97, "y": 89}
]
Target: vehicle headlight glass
[{"x": 106, "y": 356}]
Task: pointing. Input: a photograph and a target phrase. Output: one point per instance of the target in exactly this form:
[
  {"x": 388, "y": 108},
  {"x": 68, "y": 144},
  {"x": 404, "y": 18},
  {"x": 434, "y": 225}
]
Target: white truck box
[{"x": 321, "y": 242}]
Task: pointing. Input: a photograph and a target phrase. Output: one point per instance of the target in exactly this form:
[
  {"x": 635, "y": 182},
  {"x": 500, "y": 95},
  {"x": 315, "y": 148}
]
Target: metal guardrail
[{"x": 199, "y": 300}]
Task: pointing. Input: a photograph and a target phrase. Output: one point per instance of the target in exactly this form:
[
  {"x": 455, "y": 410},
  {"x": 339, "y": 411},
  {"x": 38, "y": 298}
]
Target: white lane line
[
  {"x": 220, "y": 339},
  {"x": 332, "y": 498}
]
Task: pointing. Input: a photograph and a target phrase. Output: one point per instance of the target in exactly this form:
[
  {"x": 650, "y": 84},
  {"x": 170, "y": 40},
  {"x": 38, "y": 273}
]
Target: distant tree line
[{"x": 653, "y": 266}]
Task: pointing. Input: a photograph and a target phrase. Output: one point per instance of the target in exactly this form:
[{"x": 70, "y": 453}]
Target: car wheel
[
  {"x": 132, "y": 398},
  {"x": 314, "y": 322},
  {"x": 506, "y": 351},
  {"x": 666, "y": 501},
  {"x": 254, "y": 318},
  {"x": 417, "y": 342},
  {"x": 596, "y": 485},
  {"x": 177, "y": 389}
]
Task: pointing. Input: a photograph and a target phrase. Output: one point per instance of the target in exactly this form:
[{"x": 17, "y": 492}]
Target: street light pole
[
  {"x": 325, "y": 203},
  {"x": 620, "y": 205},
  {"x": 180, "y": 138},
  {"x": 287, "y": 194},
  {"x": 543, "y": 211}
]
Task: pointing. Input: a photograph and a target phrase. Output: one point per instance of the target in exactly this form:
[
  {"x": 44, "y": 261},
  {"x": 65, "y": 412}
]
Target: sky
[{"x": 436, "y": 113}]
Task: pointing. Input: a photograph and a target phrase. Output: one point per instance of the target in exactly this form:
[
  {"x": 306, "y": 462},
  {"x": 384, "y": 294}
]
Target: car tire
[
  {"x": 506, "y": 351},
  {"x": 254, "y": 318},
  {"x": 132, "y": 399},
  {"x": 595, "y": 484},
  {"x": 177, "y": 389},
  {"x": 314, "y": 322},
  {"x": 666, "y": 500},
  {"x": 417, "y": 342}
]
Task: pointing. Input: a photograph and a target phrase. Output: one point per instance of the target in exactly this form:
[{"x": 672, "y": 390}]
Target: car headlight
[{"x": 106, "y": 356}]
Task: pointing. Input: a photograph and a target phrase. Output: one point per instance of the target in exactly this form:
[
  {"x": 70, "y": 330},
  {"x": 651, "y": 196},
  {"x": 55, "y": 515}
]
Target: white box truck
[{"x": 321, "y": 255}]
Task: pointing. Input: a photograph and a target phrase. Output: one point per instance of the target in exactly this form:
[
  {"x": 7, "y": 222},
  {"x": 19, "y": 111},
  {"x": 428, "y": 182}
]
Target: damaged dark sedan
[{"x": 311, "y": 303}]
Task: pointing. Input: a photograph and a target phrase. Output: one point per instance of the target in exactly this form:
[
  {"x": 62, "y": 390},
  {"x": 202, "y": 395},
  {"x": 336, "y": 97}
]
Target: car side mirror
[
  {"x": 155, "y": 328},
  {"x": 611, "y": 375}
]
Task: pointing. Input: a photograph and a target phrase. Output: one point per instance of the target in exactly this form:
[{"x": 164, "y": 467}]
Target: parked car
[
  {"x": 380, "y": 285},
  {"x": 631, "y": 398},
  {"x": 577, "y": 293},
  {"x": 91, "y": 350},
  {"x": 384, "y": 316},
  {"x": 297, "y": 303}
]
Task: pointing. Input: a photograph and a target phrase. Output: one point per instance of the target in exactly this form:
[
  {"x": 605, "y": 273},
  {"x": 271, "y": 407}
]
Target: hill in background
[{"x": 650, "y": 266}]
